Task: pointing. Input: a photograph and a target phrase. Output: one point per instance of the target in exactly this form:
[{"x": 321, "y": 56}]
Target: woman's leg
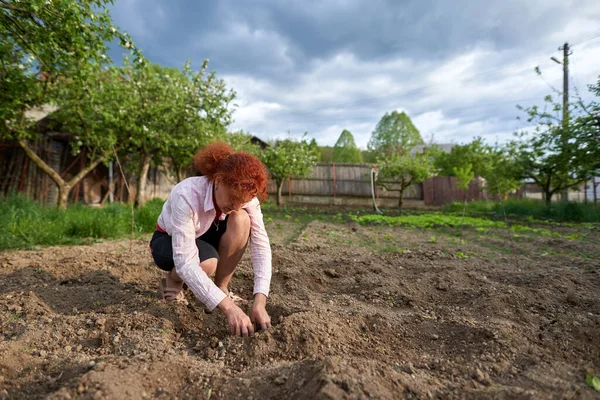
[
  {"x": 174, "y": 281},
  {"x": 231, "y": 247}
]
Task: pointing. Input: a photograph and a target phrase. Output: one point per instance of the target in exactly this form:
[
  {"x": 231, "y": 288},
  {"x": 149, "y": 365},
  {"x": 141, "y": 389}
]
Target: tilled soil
[{"x": 87, "y": 322}]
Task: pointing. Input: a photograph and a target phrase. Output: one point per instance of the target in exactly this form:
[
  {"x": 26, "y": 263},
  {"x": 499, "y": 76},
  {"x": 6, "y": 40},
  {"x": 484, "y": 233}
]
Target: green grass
[
  {"x": 27, "y": 224},
  {"x": 532, "y": 209},
  {"x": 428, "y": 220}
]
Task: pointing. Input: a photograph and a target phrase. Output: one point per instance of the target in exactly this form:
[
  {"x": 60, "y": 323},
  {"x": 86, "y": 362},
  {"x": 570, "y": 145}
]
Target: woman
[{"x": 203, "y": 230}]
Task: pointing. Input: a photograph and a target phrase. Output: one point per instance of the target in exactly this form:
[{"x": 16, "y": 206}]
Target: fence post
[
  {"x": 334, "y": 180},
  {"x": 290, "y": 186}
]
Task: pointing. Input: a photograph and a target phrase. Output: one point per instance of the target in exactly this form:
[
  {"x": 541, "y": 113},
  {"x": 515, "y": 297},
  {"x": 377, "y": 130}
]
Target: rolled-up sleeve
[
  {"x": 260, "y": 249},
  {"x": 185, "y": 254}
]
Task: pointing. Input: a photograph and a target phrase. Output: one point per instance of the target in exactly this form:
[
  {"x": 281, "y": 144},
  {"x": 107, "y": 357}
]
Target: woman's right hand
[{"x": 237, "y": 320}]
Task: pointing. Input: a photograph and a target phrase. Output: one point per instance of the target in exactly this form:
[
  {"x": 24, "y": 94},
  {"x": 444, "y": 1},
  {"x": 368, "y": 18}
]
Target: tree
[
  {"x": 395, "y": 132},
  {"x": 556, "y": 156},
  {"x": 504, "y": 174},
  {"x": 44, "y": 43},
  {"x": 325, "y": 154},
  {"x": 476, "y": 153},
  {"x": 588, "y": 124},
  {"x": 497, "y": 165},
  {"x": 288, "y": 158},
  {"x": 174, "y": 113},
  {"x": 403, "y": 169},
  {"x": 314, "y": 147},
  {"x": 90, "y": 110},
  {"x": 345, "y": 150},
  {"x": 242, "y": 141}
]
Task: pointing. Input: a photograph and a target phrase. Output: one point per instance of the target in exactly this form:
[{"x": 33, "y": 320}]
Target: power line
[{"x": 587, "y": 40}]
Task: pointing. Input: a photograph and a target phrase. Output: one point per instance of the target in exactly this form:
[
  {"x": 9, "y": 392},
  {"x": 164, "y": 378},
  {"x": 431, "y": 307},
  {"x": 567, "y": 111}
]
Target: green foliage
[
  {"x": 345, "y": 150},
  {"x": 476, "y": 154},
  {"x": 288, "y": 158},
  {"x": 559, "y": 154},
  {"x": 496, "y": 164},
  {"x": 395, "y": 132},
  {"x": 593, "y": 382},
  {"x": 398, "y": 171},
  {"x": 27, "y": 224},
  {"x": 242, "y": 141},
  {"x": 325, "y": 154},
  {"x": 464, "y": 176},
  {"x": 42, "y": 42},
  {"x": 429, "y": 220},
  {"x": 558, "y": 211}
]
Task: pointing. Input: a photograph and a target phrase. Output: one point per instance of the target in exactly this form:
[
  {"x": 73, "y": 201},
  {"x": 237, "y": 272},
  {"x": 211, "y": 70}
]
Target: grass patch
[
  {"x": 429, "y": 220},
  {"x": 559, "y": 211},
  {"x": 27, "y": 224}
]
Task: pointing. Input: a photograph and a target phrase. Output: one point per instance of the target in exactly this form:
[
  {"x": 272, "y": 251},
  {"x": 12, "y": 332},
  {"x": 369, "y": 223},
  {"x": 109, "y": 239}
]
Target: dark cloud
[{"x": 320, "y": 66}]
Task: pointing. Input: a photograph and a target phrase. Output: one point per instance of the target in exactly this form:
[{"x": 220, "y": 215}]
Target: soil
[{"x": 485, "y": 318}]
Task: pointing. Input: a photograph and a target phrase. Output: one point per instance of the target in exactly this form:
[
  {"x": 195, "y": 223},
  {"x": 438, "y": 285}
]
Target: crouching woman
[{"x": 204, "y": 228}]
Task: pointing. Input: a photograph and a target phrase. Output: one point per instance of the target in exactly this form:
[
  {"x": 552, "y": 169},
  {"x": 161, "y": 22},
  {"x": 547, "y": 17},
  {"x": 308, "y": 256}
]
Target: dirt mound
[{"x": 87, "y": 322}]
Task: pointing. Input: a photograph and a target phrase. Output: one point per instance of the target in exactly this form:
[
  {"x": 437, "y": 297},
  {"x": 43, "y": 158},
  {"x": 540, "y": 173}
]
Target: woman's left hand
[{"x": 259, "y": 314}]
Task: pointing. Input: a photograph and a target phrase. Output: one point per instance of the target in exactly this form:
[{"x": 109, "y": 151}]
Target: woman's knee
[
  {"x": 239, "y": 221},
  {"x": 209, "y": 266}
]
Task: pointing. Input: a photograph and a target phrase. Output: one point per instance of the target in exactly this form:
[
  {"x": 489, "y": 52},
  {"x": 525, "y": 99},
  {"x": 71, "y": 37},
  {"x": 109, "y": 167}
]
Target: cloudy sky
[{"x": 458, "y": 68}]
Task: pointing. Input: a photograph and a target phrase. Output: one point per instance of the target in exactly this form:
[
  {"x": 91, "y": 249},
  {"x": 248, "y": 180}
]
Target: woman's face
[{"x": 223, "y": 199}]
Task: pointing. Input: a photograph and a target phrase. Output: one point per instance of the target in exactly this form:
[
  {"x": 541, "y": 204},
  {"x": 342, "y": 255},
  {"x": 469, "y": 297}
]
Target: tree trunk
[
  {"x": 179, "y": 174},
  {"x": 279, "y": 189},
  {"x": 140, "y": 194},
  {"x": 63, "y": 187},
  {"x": 400, "y": 198},
  {"x": 548, "y": 194},
  {"x": 63, "y": 196}
]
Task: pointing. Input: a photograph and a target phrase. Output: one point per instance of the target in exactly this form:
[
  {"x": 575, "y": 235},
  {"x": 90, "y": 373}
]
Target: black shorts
[{"x": 161, "y": 246}]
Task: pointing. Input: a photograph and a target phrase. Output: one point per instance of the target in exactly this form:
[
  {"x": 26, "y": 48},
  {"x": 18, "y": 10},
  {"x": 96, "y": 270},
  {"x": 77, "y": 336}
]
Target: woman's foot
[{"x": 171, "y": 288}]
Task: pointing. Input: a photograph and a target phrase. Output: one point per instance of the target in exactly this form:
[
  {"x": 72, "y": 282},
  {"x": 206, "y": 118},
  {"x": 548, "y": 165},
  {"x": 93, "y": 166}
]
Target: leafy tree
[
  {"x": 395, "y": 132},
  {"x": 464, "y": 176},
  {"x": 504, "y": 174},
  {"x": 588, "y": 126},
  {"x": 369, "y": 156},
  {"x": 325, "y": 154},
  {"x": 173, "y": 113},
  {"x": 242, "y": 141},
  {"x": 43, "y": 43},
  {"x": 345, "y": 150},
  {"x": 476, "y": 153},
  {"x": 314, "y": 147},
  {"x": 497, "y": 165},
  {"x": 557, "y": 156},
  {"x": 403, "y": 169},
  {"x": 288, "y": 158}
]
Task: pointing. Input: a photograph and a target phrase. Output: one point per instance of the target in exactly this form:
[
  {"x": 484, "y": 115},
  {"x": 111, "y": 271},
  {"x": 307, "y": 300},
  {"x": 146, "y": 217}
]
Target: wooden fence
[{"x": 349, "y": 180}]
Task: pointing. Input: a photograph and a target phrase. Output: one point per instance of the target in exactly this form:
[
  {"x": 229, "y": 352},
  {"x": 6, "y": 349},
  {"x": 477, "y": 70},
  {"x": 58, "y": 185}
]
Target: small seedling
[
  {"x": 460, "y": 254},
  {"x": 14, "y": 317},
  {"x": 97, "y": 303},
  {"x": 432, "y": 239},
  {"x": 593, "y": 382}
]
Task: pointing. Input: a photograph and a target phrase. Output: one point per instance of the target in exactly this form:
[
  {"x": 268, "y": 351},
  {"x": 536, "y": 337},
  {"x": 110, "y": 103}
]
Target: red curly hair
[{"x": 244, "y": 174}]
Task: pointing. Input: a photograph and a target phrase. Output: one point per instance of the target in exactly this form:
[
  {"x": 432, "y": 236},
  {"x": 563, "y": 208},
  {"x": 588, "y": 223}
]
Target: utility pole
[{"x": 565, "y": 121}]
